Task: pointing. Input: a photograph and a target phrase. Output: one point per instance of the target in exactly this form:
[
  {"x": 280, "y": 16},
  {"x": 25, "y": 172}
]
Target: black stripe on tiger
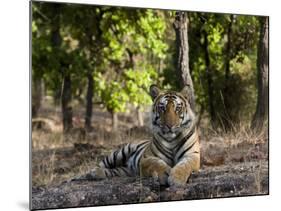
[
  {"x": 187, "y": 149},
  {"x": 126, "y": 170},
  {"x": 108, "y": 164},
  {"x": 159, "y": 134},
  {"x": 119, "y": 157},
  {"x": 162, "y": 150},
  {"x": 158, "y": 154},
  {"x": 136, "y": 156},
  {"x": 124, "y": 158},
  {"x": 106, "y": 173},
  {"x": 114, "y": 158},
  {"x": 184, "y": 139}
]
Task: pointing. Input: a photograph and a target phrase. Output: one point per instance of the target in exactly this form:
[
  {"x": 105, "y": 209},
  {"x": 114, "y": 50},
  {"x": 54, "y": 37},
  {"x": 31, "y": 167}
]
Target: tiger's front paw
[
  {"x": 156, "y": 168},
  {"x": 162, "y": 175},
  {"x": 178, "y": 177}
]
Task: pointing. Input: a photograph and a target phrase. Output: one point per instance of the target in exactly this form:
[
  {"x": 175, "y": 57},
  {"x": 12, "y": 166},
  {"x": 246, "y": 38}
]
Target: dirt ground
[{"x": 233, "y": 164}]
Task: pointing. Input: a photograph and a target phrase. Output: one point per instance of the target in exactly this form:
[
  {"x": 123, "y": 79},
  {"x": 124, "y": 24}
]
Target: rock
[{"x": 213, "y": 155}]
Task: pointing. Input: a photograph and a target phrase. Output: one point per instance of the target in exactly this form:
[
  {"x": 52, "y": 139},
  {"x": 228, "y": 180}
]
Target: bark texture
[
  {"x": 140, "y": 117},
  {"x": 37, "y": 94},
  {"x": 261, "y": 114},
  {"x": 94, "y": 46},
  {"x": 114, "y": 119},
  {"x": 89, "y": 102},
  {"x": 56, "y": 40},
  {"x": 226, "y": 117},
  {"x": 209, "y": 75},
  {"x": 66, "y": 103},
  {"x": 183, "y": 72}
]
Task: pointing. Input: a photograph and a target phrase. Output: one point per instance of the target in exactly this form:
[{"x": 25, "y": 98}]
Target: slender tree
[
  {"x": 66, "y": 103},
  {"x": 209, "y": 75},
  {"x": 89, "y": 101},
  {"x": 182, "y": 48},
  {"x": 226, "y": 116},
  {"x": 261, "y": 114},
  {"x": 37, "y": 95},
  {"x": 56, "y": 40},
  {"x": 90, "y": 91}
]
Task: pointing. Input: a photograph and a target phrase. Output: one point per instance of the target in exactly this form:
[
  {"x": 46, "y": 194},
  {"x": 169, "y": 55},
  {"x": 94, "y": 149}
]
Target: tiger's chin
[{"x": 170, "y": 135}]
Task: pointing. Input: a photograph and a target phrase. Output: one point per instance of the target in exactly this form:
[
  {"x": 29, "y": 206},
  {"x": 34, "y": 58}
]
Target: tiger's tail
[{"x": 122, "y": 162}]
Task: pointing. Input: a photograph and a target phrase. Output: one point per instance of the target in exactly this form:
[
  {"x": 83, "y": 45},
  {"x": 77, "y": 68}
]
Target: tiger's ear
[{"x": 154, "y": 91}]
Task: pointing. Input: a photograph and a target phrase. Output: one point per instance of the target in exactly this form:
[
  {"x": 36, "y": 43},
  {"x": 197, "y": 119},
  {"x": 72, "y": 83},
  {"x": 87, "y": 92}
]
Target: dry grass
[
  {"x": 240, "y": 133},
  {"x": 45, "y": 172},
  {"x": 239, "y": 145},
  {"x": 57, "y": 157}
]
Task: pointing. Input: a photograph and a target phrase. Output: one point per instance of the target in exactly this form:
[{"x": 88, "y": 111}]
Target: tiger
[{"x": 173, "y": 152}]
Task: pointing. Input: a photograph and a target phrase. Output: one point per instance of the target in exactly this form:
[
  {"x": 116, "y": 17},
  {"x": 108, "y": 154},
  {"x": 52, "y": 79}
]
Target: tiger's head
[{"x": 171, "y": 112}]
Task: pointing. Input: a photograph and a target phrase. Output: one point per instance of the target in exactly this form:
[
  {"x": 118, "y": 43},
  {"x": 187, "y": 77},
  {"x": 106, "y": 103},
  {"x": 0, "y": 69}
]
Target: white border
[{"x": 14, "y": 115}]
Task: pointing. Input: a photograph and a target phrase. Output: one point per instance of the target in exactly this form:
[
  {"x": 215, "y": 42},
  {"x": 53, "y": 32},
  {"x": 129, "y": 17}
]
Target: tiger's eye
[
  {"x": 178, "y": 108},
  {"x": 161, "y": 107}
]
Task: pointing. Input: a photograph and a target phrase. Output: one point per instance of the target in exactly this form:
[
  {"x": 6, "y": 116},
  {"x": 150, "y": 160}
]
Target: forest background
[{"x": 109, "y": 56}]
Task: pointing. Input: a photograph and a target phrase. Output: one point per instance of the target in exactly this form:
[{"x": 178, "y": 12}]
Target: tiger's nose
[{"x": 170, "y": 126}]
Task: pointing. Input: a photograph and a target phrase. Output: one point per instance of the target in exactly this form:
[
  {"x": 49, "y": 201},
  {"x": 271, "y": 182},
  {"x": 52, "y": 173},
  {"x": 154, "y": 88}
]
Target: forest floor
[{"x": 232, "y": 164}]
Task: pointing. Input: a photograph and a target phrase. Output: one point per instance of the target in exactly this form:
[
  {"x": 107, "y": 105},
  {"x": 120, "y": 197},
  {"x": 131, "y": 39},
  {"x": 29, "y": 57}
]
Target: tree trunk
[
  {"x": 57, "y": 96},
  {"x": 66, "y": 79},
  {"x": 228, "y": 49},
  {"x": 140, "y": 117},
  {"x": 261, "y": 114},
  {"x": 183, "y": 72},
  {"x": 209, "y": 77},
  {"x": 94, "y": 49},
  {"x": 89, "y": 103},
  {"x": 55, "y": 28},
  {"x": 226, "y": 117},
  {"x": 114, "y": 118},
  {"x": 56, "y": 42},
  {"x": 66, "y": 103},
  {"x": 36, "y": 96}
]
